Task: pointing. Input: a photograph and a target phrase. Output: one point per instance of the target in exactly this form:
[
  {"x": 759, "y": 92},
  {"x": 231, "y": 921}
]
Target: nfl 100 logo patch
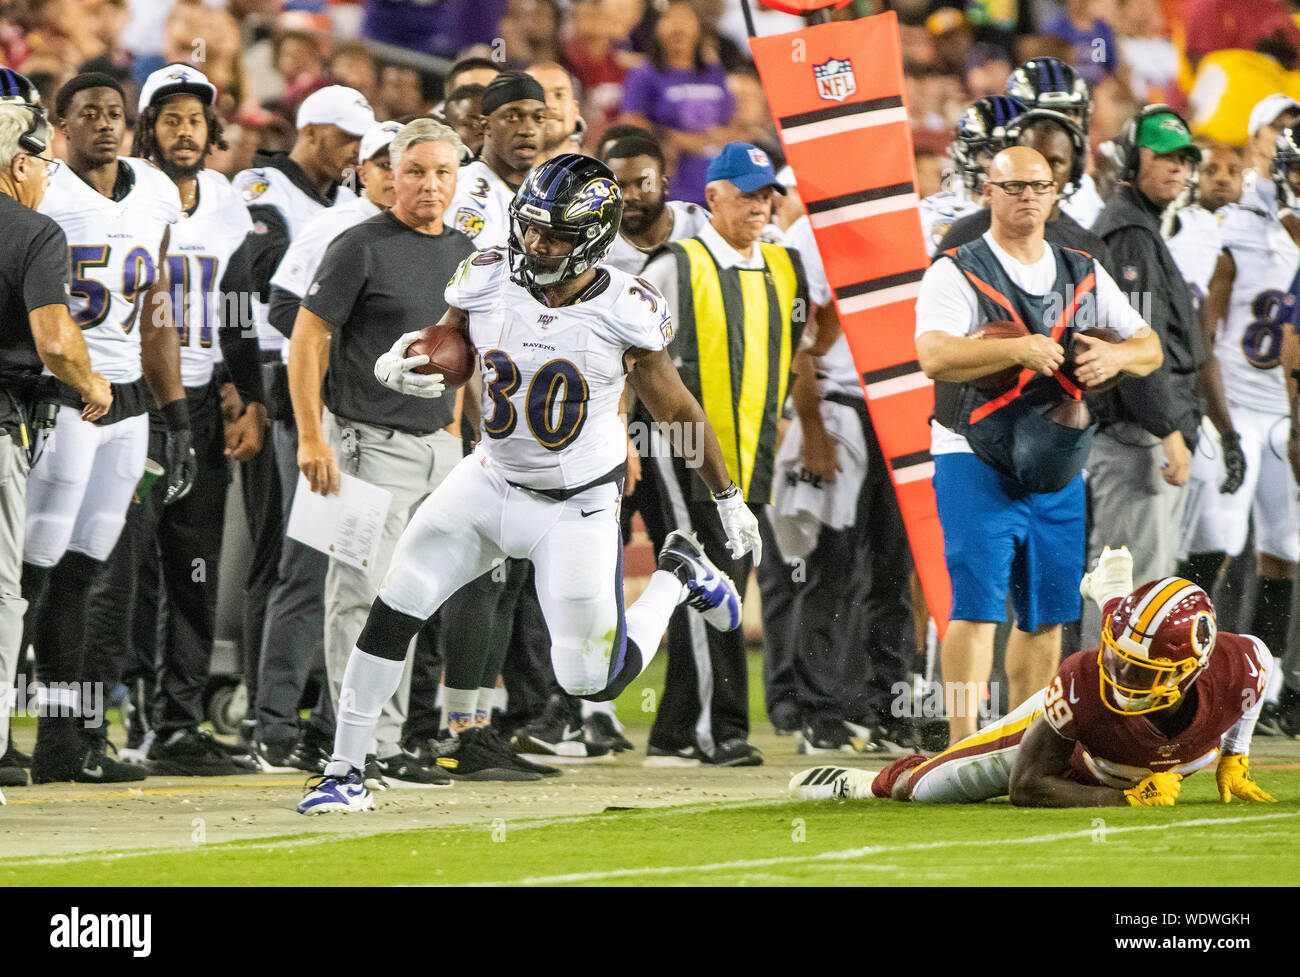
[{"x": 835, "y": 81}]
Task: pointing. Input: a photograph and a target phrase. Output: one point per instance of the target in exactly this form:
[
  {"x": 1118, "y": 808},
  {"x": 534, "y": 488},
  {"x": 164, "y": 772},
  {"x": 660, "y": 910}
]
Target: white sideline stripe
[
  {"x": 851, "y": 853},
  {"x": 304, "y": 841},
  {"x": 870, "y": 208}
]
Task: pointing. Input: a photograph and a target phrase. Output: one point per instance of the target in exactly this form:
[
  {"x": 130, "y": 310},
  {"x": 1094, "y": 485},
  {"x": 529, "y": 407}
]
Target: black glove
[
  {"x": 182, "y": 463},
  {"x": 1234, "y": 462}
]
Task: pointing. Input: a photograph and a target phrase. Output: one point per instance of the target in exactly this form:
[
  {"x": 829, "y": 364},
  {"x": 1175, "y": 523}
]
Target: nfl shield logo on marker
[{"x": 835, "y": 81}]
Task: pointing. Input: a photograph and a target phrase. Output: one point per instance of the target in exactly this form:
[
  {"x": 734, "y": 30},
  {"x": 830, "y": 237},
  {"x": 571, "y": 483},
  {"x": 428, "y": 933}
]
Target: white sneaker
[
  {"x": 1112, "y": 577},
  {"x": 827, "y": 783}
]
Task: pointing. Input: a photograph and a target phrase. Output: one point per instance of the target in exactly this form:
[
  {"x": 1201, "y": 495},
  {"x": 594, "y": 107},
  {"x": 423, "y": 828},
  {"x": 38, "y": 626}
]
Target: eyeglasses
[
  {"x": 51, "y": 165},
  {"x": 1015, "y": 188}
]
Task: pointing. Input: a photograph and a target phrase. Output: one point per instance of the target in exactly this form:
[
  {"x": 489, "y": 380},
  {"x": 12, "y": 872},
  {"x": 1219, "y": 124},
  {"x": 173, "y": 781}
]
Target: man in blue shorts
[{"x": 1008, "y": 457}]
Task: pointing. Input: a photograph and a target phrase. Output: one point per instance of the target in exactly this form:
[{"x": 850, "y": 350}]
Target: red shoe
[{"x": 883, "y": 785}]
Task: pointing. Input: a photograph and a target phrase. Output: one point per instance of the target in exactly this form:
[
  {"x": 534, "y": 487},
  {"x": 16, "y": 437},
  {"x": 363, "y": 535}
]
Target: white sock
[
  {"x": 459, "y": 707},
  {"x": 368, "y": 682},
  {"x": 440, "y": 696},
  {"x": 500, "y": 699},
  {"x": 483, "y": 707},
  {"x": 647, "y": 619},
  {"x": 590, "y": 708}
]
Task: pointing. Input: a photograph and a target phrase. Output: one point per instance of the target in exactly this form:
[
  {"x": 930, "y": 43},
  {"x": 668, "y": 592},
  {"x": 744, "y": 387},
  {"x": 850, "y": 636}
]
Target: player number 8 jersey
[{"x": 552, "y": 377}]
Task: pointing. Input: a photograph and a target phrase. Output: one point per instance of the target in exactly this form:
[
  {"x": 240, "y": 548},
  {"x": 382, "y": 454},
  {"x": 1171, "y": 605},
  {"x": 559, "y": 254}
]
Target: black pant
[
  {"x": 722, "y": 653},
  {"x": 780, "y": 593},
  {"x": 259, "y": 482},
  {"x": 178, "y": 545}
]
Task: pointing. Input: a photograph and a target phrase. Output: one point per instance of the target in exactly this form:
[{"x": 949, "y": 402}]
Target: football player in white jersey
[
  {"x": 208, "y": 272},
  {"x": 650, "y": 220},
  {"x": 1250, "y": 305},
  {"x": 1050, "y": 83},
  {"x": 1270, "y": 116},
  {"x": 979, "y": 135},
  {"x": 514, "y": 107},
  {"x": 116, "y": 214},
  {"x": 556, "y": 336}
]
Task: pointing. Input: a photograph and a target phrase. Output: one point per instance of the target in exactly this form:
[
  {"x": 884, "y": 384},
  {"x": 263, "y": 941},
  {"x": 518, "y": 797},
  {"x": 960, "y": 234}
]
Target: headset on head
[
  {"x": 16, "y": 89},
  {"x": 1125, "y": 144},
  {"x": 1078, "y": 142}
]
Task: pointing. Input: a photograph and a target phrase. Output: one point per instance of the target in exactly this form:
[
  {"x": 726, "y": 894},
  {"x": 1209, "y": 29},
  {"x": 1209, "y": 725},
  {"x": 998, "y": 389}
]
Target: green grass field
[
  {"x": 1200, "y": 842},
  {"x": 476, "y": 836}
]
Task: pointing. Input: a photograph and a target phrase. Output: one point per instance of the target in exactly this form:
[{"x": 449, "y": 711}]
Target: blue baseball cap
[{"x": 744, "y": 166}]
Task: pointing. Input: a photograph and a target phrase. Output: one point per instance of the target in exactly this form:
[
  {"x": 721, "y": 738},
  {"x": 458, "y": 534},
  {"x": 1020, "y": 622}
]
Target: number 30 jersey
[
  {"x": 1249, "y": 344},
  {"x": 113, "y": 247},
  {"x": 198, "y": 255},
  {"x": 552, "y": 377}
]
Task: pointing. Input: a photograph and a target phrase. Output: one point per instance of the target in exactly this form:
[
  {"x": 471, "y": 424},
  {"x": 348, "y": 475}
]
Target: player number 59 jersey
[
  {"x": 552, "y": 377},
  {"x": 113, "y": 250},
  {"x": 1249, "y": 344}
]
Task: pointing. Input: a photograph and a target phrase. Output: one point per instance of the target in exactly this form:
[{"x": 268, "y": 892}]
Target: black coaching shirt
[
  {"x": 378, "y": 280},
  {"x": 33, "y": 274}
]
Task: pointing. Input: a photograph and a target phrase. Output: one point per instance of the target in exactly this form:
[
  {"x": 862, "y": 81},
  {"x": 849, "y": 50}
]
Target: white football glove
[
  {"x": 740, "y": 525},
  {"x": 393, "y": 370},
  {"x": 1112, "y": 577}
]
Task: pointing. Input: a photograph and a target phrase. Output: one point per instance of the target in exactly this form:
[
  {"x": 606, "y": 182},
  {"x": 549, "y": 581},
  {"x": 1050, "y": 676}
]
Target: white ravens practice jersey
[
  {"x": 266, "y": 186},
  {"x": 481, "y": 207},
  {"x": 1085, "y": 205},
  {"x": 688, "y": 218},
  {"x": 198, "y": 255},
  {"x": 1249, "y": 344},
  {"x": 552, "y": 377},
  {"x": 1196, "y": 246},
  {"x": 308, "y": 247},
  {"x": 941, "y": 210},
  {"x": 113, "y": 247}
]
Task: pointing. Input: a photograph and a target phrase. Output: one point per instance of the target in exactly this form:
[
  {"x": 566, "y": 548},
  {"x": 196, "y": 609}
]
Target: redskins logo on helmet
[{"x": 1154, "y": 643}]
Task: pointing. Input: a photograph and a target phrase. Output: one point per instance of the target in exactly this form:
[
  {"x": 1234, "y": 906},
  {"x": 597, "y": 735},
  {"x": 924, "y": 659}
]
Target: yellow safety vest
[{"x": 737, "y": 330}]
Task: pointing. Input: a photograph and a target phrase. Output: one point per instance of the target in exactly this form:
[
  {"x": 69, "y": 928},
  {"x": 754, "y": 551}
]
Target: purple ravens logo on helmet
[{"x": 593, "y": 198}]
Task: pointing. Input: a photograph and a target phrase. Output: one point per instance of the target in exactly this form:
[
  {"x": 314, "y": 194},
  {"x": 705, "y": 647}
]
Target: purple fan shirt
[
  {"x": 442, "y": 29},
  {"x": 689, "y": 101}
]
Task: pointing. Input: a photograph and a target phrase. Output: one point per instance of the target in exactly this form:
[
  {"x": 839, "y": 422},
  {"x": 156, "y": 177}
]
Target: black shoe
[
  {"x": 99, "y": 768},
  {"x": 402, "y": 768},
  {"x": 494, "y": 740},
  {"x": 194, "y": 753},
  {"x": 559, "y": 732},
  {"x": 373, "y": 777},
  {"x": 12, "y": 776},
  {"x": 662, "y": 756},
  {"x": 785, "y": 717},
  {"x": 469, "y": 756},
  {"x": 735, "y": 753},
  {"x": 287, "y": 757},
  {"x": 599, "y": 728},
  {"x": 1267, "y": 724},
  {"x": 1288, "y": 712},
  {"x": 824, "y": 734},
  {"x": 14, "y": 757}
]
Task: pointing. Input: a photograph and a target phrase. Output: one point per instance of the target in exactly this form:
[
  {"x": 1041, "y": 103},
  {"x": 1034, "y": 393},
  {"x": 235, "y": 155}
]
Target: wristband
[
  {"x": 730, "y": 492},
  {"x": 177, "y": 415}
]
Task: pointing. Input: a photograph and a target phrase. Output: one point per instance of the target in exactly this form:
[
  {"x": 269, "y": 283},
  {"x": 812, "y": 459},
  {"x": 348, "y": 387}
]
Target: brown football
[
  {"x": 996, "y": 384},
  {"x": 1098, "y": 332},
  {"x": 449, "y": 353}
]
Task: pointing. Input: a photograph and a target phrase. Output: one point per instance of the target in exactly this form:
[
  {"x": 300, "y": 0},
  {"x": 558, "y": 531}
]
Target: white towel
[{"x": 801, "y": 504}]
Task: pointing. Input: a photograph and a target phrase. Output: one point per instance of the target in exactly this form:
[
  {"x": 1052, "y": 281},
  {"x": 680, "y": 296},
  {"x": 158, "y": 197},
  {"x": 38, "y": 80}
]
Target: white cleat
[
  {"x": 1112, "y": 577},
  {"x": 829, "y": 783},
  {"x": 345, "y": 795}
]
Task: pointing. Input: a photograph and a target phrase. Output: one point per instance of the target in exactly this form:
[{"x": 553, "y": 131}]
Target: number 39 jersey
[
  {"x": 552, "y": 377},
  {"x": 1249, "y": 344},
  {"x": 198, "y": 255},
  {"x": 112, "y": 250}
]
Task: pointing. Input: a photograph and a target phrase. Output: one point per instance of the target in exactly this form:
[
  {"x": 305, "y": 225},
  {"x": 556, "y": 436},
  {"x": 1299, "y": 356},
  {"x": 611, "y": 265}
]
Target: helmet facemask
[{"x": 1150, "y": 670}]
